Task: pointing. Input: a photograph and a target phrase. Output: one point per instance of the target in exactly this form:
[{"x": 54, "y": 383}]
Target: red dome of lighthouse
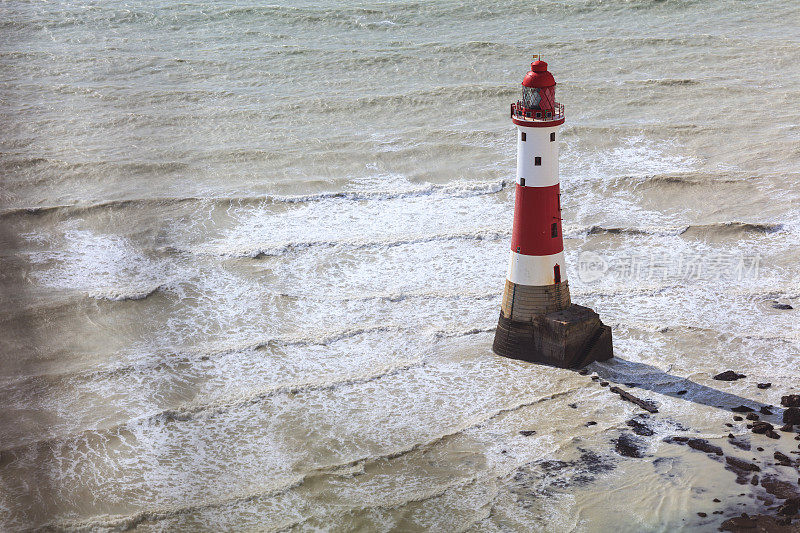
[{"x": 538, "y": 77}]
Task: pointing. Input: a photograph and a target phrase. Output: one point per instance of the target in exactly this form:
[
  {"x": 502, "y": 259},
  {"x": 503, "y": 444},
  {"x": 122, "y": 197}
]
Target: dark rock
[
  {"x": 780, "y": 489},
  {"x": 573, "y": 405},
  {"x": 771, "y": 434},
  {"x": 595, "y": 377},
  {"x": 583, "y": 372},
  {"x": 782, "y": 459},
  {"x": 790, "y": 507},
  {"x": 716, "y": 500},
  {"x": 717, "y": 512},
  {"x": 765, "y": 410},
  {"x": 729, "y": 375},
  {"x": 762, "y": 427},
  {"x": 738, "y": 418},
  {"x": 754, "y": 481},
  {"x": 728, "y": 424},
  {"x": 604, "y": 383},
  {"x": 639, "y": 428},
  {"x": 681, "y": 392},
  {"x": 787, "y": 428},
  {"x": 784, "y": 307},
  {"x": 527, "y": 432},
  {"x": 675, "y": 439},
  {"x": 628, "y": 446},
  {"x": 791, "y": 415},
  {"x": 756, "y": 524},
  {"x": 702, "y": 515},
  {"x": 792, "y": 400},
  {"x": 704, "y": 446},
  {"x": 591, "y": 423},
  {"x": 741, "y": 465},
  {"x": 760, "y": 449},
  {"x": 764, "y": 385},
  {"x": 742, "y": 409},
  {"x": 751, "y": 416}
]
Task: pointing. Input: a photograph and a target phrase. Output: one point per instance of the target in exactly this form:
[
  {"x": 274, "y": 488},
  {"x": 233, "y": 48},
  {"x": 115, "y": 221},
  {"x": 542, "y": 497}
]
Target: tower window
[
  {"x": 537, "y": 161},
  {"x": 552, "y": 136},
  {"x": 554, "y": 230},
  {"x": 522, "y": 181},
  {"x": 522, "y": 136},
  {"x": 557, "y": 274}
]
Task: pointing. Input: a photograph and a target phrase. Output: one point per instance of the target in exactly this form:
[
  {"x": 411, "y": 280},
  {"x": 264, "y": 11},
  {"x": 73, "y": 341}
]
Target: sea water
[{"x": 253, "y": 255}]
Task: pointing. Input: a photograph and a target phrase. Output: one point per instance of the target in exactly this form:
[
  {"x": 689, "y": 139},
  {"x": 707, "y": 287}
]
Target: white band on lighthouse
[
  {"x": 537, "y": 147},
  {"x": 535, "y": 269}
]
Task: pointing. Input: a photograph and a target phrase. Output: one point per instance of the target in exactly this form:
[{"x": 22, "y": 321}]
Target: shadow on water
[{"x": 649, "y": 378}]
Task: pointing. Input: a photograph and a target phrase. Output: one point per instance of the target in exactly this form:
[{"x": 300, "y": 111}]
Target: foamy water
[{"x": 253, "y": 260}]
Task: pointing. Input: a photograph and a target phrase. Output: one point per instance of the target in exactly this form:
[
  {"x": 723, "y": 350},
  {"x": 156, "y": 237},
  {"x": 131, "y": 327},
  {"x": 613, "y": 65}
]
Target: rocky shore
[{"x": 770, "y": 474}]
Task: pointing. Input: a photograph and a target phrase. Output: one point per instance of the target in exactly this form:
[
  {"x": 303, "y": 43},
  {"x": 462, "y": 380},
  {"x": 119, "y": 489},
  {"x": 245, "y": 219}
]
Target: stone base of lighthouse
[{"x": 538, "y": 324}]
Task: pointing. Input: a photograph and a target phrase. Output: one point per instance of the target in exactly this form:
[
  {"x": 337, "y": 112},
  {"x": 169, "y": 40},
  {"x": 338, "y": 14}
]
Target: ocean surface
[{"x": 253, "y": 255}]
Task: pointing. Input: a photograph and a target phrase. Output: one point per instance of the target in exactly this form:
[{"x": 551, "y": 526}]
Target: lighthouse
[{"x": 538, "y": 322}]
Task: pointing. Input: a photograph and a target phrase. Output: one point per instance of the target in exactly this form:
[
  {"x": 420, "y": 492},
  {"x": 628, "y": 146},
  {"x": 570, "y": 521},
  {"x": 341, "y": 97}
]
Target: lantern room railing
[{"x": 530, "y": 114}]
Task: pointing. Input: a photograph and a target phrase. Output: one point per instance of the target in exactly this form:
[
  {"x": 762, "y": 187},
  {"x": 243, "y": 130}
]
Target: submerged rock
[
  {"x": 742, "y": 409},
  {"x": 628, "y": 446},
  {"x": 764, "y": 385},
  {"x": 784, "y": 307}
]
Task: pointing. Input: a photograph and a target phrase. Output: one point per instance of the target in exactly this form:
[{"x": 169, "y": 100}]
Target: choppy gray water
[{"x": 253, "y": 259}]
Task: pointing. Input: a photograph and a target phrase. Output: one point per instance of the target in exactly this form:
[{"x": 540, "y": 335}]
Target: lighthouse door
[{"x": 557, "y": 273}]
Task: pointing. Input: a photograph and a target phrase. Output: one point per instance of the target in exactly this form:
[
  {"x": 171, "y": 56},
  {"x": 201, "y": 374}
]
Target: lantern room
[
  {"x": 539, "y": 87},
  {"x": 538, "y": 102}
]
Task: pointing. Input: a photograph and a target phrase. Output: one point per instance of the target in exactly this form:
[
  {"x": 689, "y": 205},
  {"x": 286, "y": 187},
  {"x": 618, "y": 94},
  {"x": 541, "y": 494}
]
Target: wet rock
[
  {"x": 762, "y": 427},
  {"x": 791, "y": 415},
  {"x": 790, "y": 507},
  {"x": 573, "y": 405},
  {"x": 737, "y": 418},
  {"x": 754, "y": 481},
  {"x": 779, "y": 488},
  {"x": 751, "y": 416},
  {"x": 784, "y": 307},
  {"x": 771, "y": 434},
  {"x": 760, "y": 449},
  {"x": 765, "y": 410},
  {"x": 782, "y": 459},
  {"x": 591, "y": 423},
  {"x": 742, "y": 409},
  {"x": 604, "y": 383},
  {"x": 640, "y": 428},
  {"x": 702, "y": 515},
  {"x": 704, "y": 446},
  {"x": 716, "y": 500},
  {"x": 628, "y": 446},
  {"x": 756, "y": 524},
  {"x": 527, "y": 432},
  {"x": 728, "y": 424},
  {"x": 729, "y": 375},
  {"x": 792, "y": 400},
  {"x": 583, "y": 371},
  {"x": 595, "y": 377},
  {"x": 741, "y": 465},
  {"x": 787, "y": 428},
  {"x": 764, "y": 385},
  {"x": 681, "y": 392}
]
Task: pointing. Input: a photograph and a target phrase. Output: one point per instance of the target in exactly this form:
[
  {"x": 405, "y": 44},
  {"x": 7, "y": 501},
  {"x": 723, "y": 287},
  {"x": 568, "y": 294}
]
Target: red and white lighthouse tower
[{"x": 537, "y": 320}]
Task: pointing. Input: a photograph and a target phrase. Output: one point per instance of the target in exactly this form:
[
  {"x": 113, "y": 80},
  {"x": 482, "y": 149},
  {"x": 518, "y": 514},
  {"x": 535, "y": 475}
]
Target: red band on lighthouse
[{"x": 537, "y": 221}]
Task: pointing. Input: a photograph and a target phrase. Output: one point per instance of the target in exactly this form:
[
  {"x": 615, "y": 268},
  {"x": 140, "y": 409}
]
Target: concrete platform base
[{"x": 570, "y": 338}]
